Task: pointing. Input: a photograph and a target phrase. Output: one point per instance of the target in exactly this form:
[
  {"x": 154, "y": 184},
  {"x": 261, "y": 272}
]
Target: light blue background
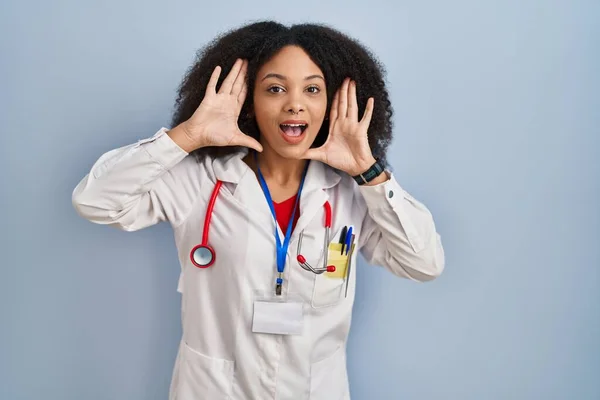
[{"x": 496, "y": 130}]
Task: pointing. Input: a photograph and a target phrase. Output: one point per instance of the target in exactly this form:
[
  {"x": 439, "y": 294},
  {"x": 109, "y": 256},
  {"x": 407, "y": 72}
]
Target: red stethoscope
[{"x": 203, "y": 255}]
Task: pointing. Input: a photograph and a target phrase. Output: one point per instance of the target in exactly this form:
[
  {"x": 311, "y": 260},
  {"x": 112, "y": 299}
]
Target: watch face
[
  {"x": 369, "y": 174},
  {"x": 372, "y": 173}
]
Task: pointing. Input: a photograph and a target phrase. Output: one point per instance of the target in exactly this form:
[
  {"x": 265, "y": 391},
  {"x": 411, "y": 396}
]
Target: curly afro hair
[{"x": 336, "y": 54}]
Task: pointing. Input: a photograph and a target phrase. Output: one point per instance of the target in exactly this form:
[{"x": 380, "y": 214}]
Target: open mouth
[{"x": 293, "y": 130}]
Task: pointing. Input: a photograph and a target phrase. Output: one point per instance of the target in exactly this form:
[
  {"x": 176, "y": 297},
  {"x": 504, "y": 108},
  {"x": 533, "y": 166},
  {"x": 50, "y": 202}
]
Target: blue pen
[{"x": 348, "y": 238}]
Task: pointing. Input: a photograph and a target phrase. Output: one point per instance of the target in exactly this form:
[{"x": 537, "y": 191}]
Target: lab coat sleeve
[
  {"x": 399, "y": 233},
  {"x": 136, "y": 186}
]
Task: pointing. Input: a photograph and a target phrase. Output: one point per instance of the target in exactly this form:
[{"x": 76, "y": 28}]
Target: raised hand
[
  {"x": 347, "y": 146},
  {"x": 214, "y": 123}
]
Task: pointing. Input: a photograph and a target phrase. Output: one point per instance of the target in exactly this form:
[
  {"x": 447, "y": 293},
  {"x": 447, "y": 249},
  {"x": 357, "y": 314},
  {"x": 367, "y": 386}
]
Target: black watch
[{"x": 370, "y": 174}]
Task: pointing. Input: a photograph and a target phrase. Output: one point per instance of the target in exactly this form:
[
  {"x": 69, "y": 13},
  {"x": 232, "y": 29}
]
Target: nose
[
  {"x": 295, "y": 109},
  {"x": 294, "y": 105}
]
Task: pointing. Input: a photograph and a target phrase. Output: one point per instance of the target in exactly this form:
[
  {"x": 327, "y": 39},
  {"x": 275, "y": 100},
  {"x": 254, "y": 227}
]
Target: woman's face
[{"x": 290, "y": 101}]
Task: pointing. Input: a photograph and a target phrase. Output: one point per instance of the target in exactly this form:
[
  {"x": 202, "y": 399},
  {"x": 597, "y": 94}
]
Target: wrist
[
  {"x": 382, "y": 177},
  {"x": 181, "y": 137},
  {"x": 370, "y": 175},
  {"x": 362, "y": 166}
]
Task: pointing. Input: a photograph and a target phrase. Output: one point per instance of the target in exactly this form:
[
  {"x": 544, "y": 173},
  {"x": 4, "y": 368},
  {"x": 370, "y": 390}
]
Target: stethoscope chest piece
[{"x": 202, "y": 256}]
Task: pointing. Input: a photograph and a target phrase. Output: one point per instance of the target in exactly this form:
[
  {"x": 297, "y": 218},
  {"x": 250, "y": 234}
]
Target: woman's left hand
[{"x": 347, "y": 146}]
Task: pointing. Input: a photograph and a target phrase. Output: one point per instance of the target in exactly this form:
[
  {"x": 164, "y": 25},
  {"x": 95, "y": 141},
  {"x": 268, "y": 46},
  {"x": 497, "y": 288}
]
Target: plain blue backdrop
[{"x": 497, "y": 118}]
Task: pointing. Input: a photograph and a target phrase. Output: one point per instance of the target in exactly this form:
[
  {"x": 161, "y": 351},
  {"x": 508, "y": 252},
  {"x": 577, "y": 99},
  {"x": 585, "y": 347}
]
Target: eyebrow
[{"x": 283, "y": 78}]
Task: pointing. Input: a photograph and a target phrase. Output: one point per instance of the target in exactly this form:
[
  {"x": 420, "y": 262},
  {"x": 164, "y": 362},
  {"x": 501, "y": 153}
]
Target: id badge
[{"x": 278, "y": 316}]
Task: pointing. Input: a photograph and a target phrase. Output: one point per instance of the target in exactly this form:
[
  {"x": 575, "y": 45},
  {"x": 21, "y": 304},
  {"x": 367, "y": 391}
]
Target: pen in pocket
[
  {"x": 342, "y": 240},
  {"x": 349, "y": 237},
  {"x": 348, "y": 268}
]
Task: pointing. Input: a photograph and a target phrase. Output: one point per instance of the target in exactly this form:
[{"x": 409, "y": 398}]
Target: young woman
[{"x": 273, "y": 178}]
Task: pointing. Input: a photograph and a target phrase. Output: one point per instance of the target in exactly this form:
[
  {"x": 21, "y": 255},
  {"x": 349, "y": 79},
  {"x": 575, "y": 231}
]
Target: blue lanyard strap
[{"x": 281, "y": 247}]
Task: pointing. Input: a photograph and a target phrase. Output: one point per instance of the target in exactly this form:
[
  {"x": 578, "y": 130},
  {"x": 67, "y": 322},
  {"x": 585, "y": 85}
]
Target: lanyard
[{"x": 281, "y": 247}]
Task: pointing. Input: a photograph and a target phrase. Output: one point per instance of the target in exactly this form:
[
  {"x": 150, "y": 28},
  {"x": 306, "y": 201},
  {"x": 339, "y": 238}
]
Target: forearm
[
  {"x": 400, "y": 232},
  {"x": 119, "y": 183}
]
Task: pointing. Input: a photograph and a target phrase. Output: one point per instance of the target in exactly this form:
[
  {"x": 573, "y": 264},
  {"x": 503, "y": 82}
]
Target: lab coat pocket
[
  {"x": 329, "y": 286},
  {"x": 328, "y": 378},
  {"x": 203, "y": 377}
]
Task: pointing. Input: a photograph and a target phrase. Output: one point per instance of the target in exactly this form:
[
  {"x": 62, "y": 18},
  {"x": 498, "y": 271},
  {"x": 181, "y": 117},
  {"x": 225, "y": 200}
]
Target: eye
[
  {"x": 313, "y": 89},
  {"x": 275, "y": 89}
]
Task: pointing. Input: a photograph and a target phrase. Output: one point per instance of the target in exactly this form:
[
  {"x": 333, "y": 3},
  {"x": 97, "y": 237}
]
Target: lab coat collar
[{"x": 232, "y": 169}]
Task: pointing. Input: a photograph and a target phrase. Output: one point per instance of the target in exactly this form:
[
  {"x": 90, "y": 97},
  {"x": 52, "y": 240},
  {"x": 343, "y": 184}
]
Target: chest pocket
[{"x": 329, "y": 288}]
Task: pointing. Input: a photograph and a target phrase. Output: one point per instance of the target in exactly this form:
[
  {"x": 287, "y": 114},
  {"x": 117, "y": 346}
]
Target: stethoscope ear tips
[{"x": 306, "y": 266}]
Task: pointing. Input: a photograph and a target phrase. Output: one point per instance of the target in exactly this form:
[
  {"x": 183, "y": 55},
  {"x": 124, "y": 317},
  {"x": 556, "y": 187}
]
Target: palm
[
  {"x": 216, "y": 117},
  {"x": 337, "y": 151},
  {"x": 347, "y": 146},
  {"x": 221, "y": 111}
]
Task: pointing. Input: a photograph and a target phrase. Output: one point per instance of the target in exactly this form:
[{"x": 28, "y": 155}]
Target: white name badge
[{"x": 278, "y": 317}]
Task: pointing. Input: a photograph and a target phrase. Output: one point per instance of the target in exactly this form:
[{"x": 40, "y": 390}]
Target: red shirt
[{"x": 284, "y": 210}]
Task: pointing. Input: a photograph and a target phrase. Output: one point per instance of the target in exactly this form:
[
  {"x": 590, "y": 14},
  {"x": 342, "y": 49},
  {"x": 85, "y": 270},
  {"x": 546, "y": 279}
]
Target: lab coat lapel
[
  {"x": 243, "y": 185},
  {"x": 230, "y": 168},
  {"x": 319, "y": 177}
]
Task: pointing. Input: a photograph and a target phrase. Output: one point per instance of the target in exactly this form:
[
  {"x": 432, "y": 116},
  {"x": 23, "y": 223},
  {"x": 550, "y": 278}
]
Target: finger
[
  {"x": 228, "y": 82},
  {"x": 352, "y": 105},
  {"x": 334, "y": 107},
  {"x": 242, "y": 96},
  {"x": 212, "y": 82},
  {"x": 315, "y": 154},
  {"x": 240, "y": 79},
  {"x": 343, "y": 99},
  {"x": 366, "y": 119},
  {"x": 241, "y": 139}
]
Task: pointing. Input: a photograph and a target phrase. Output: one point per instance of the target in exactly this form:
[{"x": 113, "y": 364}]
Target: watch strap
[{"x": 373, "y": 172}]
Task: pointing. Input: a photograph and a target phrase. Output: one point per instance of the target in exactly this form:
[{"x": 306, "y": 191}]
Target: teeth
[{"x": 301, "y": 125}]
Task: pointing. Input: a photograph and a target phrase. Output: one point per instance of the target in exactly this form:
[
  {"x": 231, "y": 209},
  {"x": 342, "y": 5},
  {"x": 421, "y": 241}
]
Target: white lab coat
[{"x": 219, "y": 356}]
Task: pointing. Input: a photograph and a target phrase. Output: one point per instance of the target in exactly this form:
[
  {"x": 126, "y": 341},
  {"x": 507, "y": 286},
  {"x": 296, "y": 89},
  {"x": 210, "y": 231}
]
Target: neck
[{"x": 280, "y": 170}]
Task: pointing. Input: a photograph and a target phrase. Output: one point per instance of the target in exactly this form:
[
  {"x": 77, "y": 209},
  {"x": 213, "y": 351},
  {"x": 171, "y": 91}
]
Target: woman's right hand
[{"x": 214, "y": 123}]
